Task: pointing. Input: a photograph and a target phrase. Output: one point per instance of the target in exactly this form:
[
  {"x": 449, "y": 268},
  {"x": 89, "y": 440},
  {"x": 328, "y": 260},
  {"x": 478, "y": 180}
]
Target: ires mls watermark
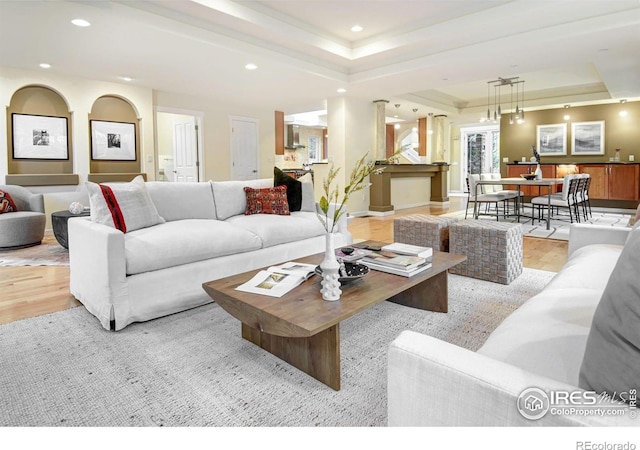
[{"x": 533, "y": 403}]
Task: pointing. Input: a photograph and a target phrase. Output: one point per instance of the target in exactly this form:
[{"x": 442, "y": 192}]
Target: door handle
[{"x": 255, "y": 171}]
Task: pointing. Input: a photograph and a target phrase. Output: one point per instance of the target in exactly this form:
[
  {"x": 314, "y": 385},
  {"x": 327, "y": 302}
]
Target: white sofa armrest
[
  {"x": 581, "y": 235},
  {"x": 434, "y": 383},
  {"x": 97, "y": 268}
]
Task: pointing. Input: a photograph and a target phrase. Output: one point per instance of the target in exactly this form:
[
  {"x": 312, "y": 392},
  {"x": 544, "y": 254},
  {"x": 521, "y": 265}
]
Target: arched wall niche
[
  {"x": 113, "y": 108},
  {"x": 38, "y": 100}
]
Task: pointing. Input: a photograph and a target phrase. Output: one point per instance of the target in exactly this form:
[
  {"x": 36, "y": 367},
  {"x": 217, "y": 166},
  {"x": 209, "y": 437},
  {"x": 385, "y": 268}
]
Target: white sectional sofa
[
  {"x": 159, "y": 270},
  {"x": 434, "y": 383}
]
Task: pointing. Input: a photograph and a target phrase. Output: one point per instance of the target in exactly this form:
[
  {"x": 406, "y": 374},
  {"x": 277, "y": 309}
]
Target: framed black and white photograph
[
  {"x": 39, "y": 137},
  {"x": 587, "y": 138},
  {"x": 552, "y": 139},
  {"x": 113, "y": 141}
]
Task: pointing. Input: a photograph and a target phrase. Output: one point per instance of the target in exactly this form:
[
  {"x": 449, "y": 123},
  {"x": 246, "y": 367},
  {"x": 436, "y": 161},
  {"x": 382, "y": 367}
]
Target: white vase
[
  {"x": 330, "y": 272},
  {"x": 538, "y": 172}
]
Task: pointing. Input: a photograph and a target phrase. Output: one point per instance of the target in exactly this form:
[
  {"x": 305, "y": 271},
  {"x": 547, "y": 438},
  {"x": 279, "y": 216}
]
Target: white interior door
[
  {"x": 185, "y": 167},
  {"x": 244, "y": 148}
]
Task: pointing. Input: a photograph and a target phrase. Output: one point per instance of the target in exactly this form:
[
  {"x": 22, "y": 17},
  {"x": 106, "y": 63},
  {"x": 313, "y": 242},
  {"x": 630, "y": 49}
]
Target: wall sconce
[
  {"x": 623, "y": 112},
  {"x": 567, "y": 116}
]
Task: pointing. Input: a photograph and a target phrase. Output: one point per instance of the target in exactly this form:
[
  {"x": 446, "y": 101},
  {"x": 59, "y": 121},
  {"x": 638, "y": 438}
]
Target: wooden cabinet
[
  {"x": 623, "y": 182},
  {"x": 613, "y": 181},
  {"x": 599, "y": 188},
  {"x": 608, "y": 181}
]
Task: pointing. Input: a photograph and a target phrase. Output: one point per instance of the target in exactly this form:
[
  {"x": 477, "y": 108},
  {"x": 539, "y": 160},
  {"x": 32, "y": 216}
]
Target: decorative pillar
[
  {"x": 440, "y": 137},
  {"x": 381, "y": 129},
  {"x": 422, "y": 136}
]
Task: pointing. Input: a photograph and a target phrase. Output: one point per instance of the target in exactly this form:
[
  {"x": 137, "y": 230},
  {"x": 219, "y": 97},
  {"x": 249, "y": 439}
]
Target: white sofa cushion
[
  {"x": 580, "y": 271},
  {"x": 230, "y": 198},
  {"x": 273, "y": 229},
  {"x": 184, "y": 241},
  {"x": 547, "y": 335},
  {"x": 308, "y": 198},
  {"x": 176, "y": 201}
]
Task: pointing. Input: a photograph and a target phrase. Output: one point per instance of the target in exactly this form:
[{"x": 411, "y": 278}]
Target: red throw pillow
[
  {"x": 267, "y": 201},
  {"x": 6, "y": 203}
]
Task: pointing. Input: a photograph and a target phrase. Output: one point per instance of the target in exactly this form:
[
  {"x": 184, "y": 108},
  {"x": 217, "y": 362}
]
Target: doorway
[
  {"x": 179, "y": 143},
  {"x": 244, "y": 148},
  {"x": 480, "y": 150}
]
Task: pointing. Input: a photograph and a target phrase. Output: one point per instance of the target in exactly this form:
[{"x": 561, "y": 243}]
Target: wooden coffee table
[{"x": 304, "y": 330}]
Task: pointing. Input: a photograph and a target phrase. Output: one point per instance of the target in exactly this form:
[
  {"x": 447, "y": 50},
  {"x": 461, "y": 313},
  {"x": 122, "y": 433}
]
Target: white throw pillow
[
  {"x": 124, "y": 206},
  {"x": 308, "y": 198}
]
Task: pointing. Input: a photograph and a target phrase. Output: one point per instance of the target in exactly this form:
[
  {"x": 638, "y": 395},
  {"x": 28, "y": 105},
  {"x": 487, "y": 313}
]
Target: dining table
[{"x": 519, "y": 181}]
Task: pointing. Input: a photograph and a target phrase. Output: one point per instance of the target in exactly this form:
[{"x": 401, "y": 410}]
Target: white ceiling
[{"x": 433, "y": 55}]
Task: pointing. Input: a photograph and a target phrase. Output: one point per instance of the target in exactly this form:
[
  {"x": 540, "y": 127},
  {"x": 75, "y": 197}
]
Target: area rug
[
  {"x": 48, "y": 253},
  {"x": 559, "y": 228},
  {"x": 193, "y": 368}
]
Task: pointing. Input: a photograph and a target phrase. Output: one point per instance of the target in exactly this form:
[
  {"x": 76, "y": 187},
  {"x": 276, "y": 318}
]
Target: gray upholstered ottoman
[
  {"x": 423, "y": 230},
  {"x": 493, "y": 249}
]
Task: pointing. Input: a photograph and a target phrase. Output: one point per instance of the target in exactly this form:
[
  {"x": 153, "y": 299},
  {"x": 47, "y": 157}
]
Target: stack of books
[{"x": 406, "y": 265}]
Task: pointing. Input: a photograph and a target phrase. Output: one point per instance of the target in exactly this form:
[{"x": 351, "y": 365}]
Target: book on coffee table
[
  {"x": 398, "y": 271},
  {"x": 391, "y": 259},
  {"x": 409, "y": 249},
  {"x": 276, "y": 281}
]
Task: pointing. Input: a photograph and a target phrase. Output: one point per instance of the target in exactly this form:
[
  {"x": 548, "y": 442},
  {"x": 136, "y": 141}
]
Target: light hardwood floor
[{"x": 35, "y": 290}]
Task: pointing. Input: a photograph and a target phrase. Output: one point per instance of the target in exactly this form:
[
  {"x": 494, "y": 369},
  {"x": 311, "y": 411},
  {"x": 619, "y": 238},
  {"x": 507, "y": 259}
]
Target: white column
[
  {"x": 381, "y": 129},
  {"x": 351, "y": 129},
  {"x": 440, "y": 137}
]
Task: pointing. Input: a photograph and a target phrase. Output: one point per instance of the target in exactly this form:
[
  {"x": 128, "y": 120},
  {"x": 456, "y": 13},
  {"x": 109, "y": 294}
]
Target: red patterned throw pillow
[
  {"x": 267, "y": 201},
  {"x": 6, "y": 203}
]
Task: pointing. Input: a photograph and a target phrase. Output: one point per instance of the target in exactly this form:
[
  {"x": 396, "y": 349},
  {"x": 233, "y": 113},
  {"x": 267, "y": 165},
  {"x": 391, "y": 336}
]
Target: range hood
[{"x": 293, "y": 137}]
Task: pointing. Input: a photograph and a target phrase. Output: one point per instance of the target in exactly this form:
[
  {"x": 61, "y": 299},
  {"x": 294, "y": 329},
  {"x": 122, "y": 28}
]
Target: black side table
[{"x": 59, "y": 223}]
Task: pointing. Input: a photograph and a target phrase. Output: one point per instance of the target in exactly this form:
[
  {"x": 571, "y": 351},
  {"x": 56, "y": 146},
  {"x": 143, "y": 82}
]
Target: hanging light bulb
[
  {"x": 488, "y": 101},
  {"x": 511, "y": 107},
  {"x": 517, "y": 109},
  {"x": 522, "y": 109}
]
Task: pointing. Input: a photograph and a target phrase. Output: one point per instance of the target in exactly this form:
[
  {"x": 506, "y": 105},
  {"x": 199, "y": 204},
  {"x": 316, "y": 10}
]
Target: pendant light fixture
[{"x": 497, "y": 99}]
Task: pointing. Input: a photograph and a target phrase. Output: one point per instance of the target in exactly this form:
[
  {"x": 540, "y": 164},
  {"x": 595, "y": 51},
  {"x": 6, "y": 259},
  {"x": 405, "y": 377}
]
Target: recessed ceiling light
[
  {"x": 251, "y": 66},
  {"x": 341, "y": 90},
  {"x": 126, "y": 78},
  {"x": 45, "y": 65},
  {"x": 356, "y": 28},
  {"x": 80, "y": 23}
]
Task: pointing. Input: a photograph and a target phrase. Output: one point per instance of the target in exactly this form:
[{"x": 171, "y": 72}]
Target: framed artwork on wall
[
  {"x": 587, "y": 138},
  {"x": 39, "y": 137},
  {"x": 113, "y": 141},
  {"x": 552, "y": 139}
]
